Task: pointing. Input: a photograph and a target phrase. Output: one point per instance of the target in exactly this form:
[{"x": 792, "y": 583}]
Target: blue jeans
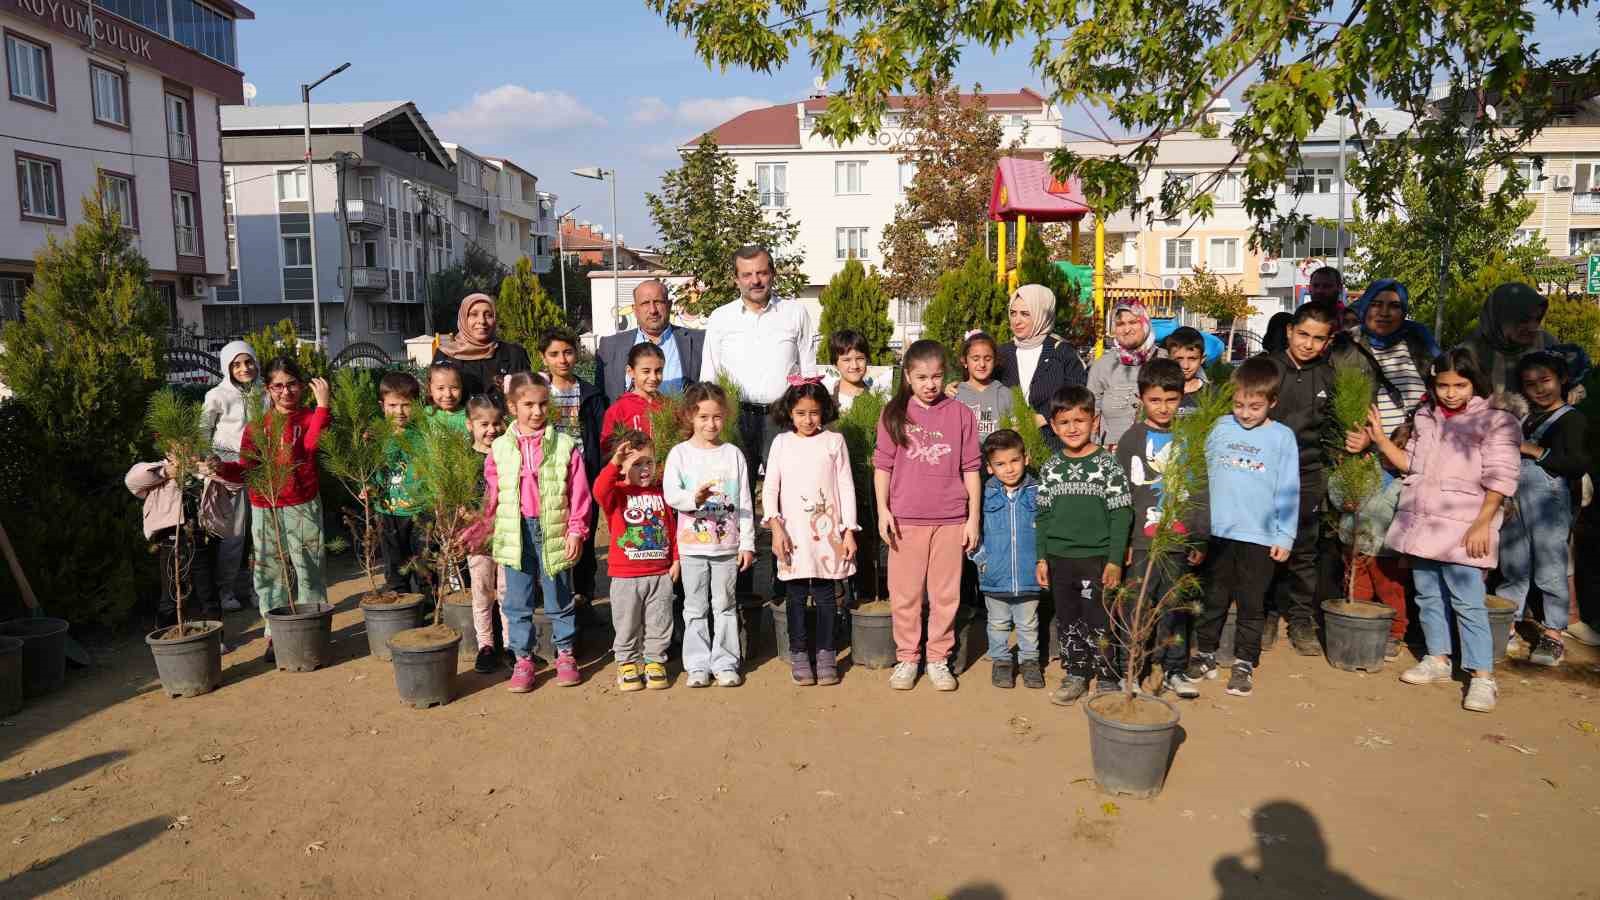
[
  {"x": 1464, "y": 586},
  {"x": 1533, "y": 543},
  {"x": 522, "y": 635},
  {"x": 1006, "y": 613}
]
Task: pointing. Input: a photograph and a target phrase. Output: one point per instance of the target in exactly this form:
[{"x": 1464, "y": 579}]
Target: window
[
  {"x": 110, "y": 91},
  {"x": 847, "y": 177},
  {"x": 1179, "y": 255},
  {"x": 1222, "y": 254},
  {"x": 1226, "y": 192},
  {"x": 1312, "y": 180},
  {"x": 394, "y": 268},
  {"x": 1532, "y": 176},
  {"x": 199, "y": 27},
  {"x": 28, "y": 68},
  {"x": 12, "y": 290},
  {"x": 152, "y": 14},
  {"x": 391, "y": 190},
  {"x": 185, "y": 223},
  {"x": 850, "y": 243},
  {"x": 464, "y": 222},
  {"x": 1527, "y": 237},
  {"x": 39, "y": 188},
  {"x": 292, "y": 184},
  {"x": 369, "y": 189},
  {"x": 1319, "y": 242},
  {"x": 296, "y": 252},
  {"x": 911, "y": 311},
  {"x": 369, "y": 255},
  {"x": 908, "y": 174},
  {"x": 230, "y": 233},
  {"x": 226, "y": 321},
  {"x": 385, "y": 319},
  {"x": 180, "y": 143},
  {"x": 772, "y": 182},
  {"x": 1584, "y": 241},
  {"x": 116, "y": 192}
]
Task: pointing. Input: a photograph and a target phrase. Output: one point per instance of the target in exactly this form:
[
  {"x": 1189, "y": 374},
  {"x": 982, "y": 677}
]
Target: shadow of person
[
  {"x": 982, "y": 890},
  {"x": 25, "y": 786},
  {"x": 1293, "y": 860},
  {"x": 46, "y": 875}
]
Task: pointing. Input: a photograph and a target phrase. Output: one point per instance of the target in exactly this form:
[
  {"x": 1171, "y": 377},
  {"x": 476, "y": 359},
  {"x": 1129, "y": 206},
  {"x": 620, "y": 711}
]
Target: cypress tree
[
  {"x": 855, "y": 299},
  {"x": 967, "y": 298},
  {"x": 526, "y": 310}
]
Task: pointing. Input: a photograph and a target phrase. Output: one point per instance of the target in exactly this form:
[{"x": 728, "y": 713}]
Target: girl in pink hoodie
[{"x": 1459, "y": 464}]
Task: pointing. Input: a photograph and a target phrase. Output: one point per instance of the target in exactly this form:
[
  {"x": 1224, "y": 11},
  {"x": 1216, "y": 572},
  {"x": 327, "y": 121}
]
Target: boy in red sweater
[{"x": 642, "y": 560}]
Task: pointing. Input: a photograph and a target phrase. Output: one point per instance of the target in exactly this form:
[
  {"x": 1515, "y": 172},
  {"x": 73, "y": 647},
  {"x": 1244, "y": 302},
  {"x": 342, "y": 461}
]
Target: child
[
  {"x": 293, "y": 519},
  {"x": 486, "y": 419},
  {"x": 988, "y": 399},
  {"x": 1080, "y": 541},
  {"x": 646, "y": 363},
  {"x": 1533, "y": 542},
  {"x": 707, "y": 482},
  {"x": 1187, "y": 347},
  {"x": 809, "y": 499},
  {"x": 1253, "y": 462},
  {"x": 445, "y": 397},
  {"x": 849, "y": 354},
  {"x": 1143, "y": 452},
  {"x": 577, "y": 408},
  {"x": 1007, "y": 566},
  {"x": 928, "y": 491},
  {"x": 399, "y": 501},
  {"x": 642, "y": 560},
  {"x": 1460, "y": 462},
  {"x": 222, "y": 418},
  {"x": 182, "y": 523},
  {"x": 538, "y": 500}
]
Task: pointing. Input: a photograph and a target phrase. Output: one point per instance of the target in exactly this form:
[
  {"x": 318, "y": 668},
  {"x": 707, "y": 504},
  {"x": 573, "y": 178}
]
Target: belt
[{"x": 760, "y": 408}]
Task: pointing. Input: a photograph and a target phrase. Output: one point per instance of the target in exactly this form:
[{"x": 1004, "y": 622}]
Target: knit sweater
[{"x": 1084, "y": 509}]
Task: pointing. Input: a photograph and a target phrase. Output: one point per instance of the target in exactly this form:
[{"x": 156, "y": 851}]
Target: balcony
[
  {"x": 545, "y": 226},
  {"x": 365, "y": 213},
  {"x": 1586, "y": 204},
  {"x": 369, "y": 279},
  {"x": 179, "y": 146},
  {"x": 543, "y": 262}
]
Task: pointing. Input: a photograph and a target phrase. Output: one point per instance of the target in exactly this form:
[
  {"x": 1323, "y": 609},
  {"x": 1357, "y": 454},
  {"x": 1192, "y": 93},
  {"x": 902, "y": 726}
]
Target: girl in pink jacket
[{"x": 1459, "y": 464}]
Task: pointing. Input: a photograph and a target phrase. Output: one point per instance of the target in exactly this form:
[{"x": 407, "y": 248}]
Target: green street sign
[{"x": 1594, "y": 273}]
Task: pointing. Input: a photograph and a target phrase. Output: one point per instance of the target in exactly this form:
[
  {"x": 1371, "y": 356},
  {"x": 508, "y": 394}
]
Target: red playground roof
[{"x": 1025, "y": 187}]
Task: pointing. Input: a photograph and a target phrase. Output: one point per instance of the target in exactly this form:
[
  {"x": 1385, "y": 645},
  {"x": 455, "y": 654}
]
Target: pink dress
[{"x": 809, "y": 484}]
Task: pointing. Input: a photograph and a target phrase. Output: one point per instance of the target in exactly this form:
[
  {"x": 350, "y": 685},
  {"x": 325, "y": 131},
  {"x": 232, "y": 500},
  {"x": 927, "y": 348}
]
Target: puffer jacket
[
  {"x": 1454, "y": 463},
  {"x": 163, "y": 500},
  {"x": 1005, "y": 558}
]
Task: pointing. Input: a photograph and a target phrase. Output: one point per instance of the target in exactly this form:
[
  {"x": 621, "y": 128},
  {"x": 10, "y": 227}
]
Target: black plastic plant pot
[
  {"x": 44, "y": 653},
  {"x": 10, "y": 675},
  {"x": 872, "y": 638},
  {"x": 1131, "y": 757},
  {"x": 189, "y": 665},
  {"x": 1357, "y": 634},
  {"x": 384, "y": 620},
  {"x": 1502, "y": 618},
  {"x": 302, "y": 639},
  {"x": 459, "y": 617},
  {"x": 425, "y": 662}
]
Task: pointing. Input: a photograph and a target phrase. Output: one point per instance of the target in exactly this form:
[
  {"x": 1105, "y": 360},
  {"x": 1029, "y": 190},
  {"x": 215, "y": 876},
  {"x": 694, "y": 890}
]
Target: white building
[
  {"x": 843, "y": 196},
  {"x": 123, "y": 95},
  {"x": 524, "y": 217}
]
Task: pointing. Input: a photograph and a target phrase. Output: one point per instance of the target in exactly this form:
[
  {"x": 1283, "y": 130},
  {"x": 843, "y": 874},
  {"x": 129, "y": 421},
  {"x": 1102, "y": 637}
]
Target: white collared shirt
[{"x": 760, "y": 350}]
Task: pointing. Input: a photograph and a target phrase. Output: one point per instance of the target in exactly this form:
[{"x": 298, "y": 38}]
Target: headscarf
[
  {"x": 1141, "y": 354},
  {"x": 1408, "y": 330},
  {"x": 1041, "y": 305},
  {"x": 462, "y": 345},
  {"x": 231, "y": 351},
  {"x": 1510, "y": 304}
]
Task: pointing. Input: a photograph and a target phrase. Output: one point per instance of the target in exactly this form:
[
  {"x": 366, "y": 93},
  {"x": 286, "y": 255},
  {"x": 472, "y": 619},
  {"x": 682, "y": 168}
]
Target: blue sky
[{"x": 556, "y": 85}]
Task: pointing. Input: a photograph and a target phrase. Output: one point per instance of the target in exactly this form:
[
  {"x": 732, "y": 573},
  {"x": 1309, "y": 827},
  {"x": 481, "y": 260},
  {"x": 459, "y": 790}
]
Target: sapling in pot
[
  {"x": 354, "y": 449},
  {"x": 268, "y": 468},
  {"x": 1357, "y": 632},
  {"x": 447, "y": 469},
  {"x": 180, "y": 439}
]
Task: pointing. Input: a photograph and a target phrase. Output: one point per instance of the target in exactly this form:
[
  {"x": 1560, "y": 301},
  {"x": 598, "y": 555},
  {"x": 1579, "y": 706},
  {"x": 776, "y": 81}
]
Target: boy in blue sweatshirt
[
  {"x": 1006, "y": 560},
  {"x": 1253, "y": 470}
]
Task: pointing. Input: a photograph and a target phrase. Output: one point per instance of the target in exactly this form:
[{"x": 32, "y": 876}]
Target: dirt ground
[{"x": 1322, "y": 784}]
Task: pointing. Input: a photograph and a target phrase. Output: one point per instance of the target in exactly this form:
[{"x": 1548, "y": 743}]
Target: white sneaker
[
  {"x": 699, "y": 679},
  {"x": 729, "y": 678},
  {"x": 939, "y": 673},
  {"x": 1583, "y": 633},
  {"x": 1481, "y": 695},
  {"x": 1430, "y": 670},
  {"x": 231, "y": 604},
  {"x": 1516, "y": 646},
  {"x": 904, "y": 677}
]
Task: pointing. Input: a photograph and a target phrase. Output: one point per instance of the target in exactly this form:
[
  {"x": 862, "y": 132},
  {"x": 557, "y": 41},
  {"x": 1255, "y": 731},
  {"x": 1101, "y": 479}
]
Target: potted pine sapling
[
  {"x": 1357, "y": 631},
  {"x": 356, "y": 450},
  {"x": 447, "y": 469},
  {"x": 188, "y": 654},
  {"x": 1131, "y": 733},
  {"x": 871, "y": 625}
]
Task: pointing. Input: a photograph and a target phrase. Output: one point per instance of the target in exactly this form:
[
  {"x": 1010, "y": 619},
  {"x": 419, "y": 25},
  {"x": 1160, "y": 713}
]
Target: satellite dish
[{"x": 249, "y": 93}]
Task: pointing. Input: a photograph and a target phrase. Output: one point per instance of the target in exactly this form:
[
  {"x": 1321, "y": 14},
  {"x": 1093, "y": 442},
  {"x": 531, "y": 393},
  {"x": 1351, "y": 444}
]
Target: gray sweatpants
[
  {"x": 710, "y": 613},
  {"x": 641, "y": 614}
]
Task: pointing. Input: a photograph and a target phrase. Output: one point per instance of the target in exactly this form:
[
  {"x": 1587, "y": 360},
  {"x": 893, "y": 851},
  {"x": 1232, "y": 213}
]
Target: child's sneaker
[
  {"x": 231, "y": 604},
  {"x": 729, "y": 678},
  {"x": 1240, "y": 682},
  {"x": 1002, "y": 674},
  {"x": 1178, "y": 684},
  {"x": 1201, "y": 667},
  {"x": 827, "y": 667},
  {"x": 1481, "y": 694},
  {"x": 521, "y": 676},
  {"x": 486, "y": 661},
  {"x": 800, "y": 669},
  {"x": 566, "y": 669},
  {"x": 628, "y": 678},
  {"x": 1072, "y": 687},
  {"x": 1547, "y": 652},
  {"x": 1032, "y": 675},
  {"x": 1428, "y": 670},
  {"x": 699, "y": 679},
  {"x": 939, "y": 673},
  {"x": 655, "y": 676},
  {"x": 904, "y": 677}
]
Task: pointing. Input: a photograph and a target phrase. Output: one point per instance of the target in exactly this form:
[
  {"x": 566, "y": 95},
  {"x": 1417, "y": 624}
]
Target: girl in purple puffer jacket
[{"x": 1460, "y": 463}]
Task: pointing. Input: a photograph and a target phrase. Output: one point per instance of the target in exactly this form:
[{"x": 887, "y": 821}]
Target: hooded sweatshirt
[{"x": 222, "y": 415}]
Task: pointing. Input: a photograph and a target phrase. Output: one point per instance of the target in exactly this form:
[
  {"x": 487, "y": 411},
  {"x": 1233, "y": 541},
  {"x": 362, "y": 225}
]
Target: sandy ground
[{"x": 1323, "y": 784}]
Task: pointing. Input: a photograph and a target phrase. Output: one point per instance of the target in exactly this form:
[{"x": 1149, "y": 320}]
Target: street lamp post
[
  {"x": 311, "y": 203},
  {"x": 599, "y": 174},
  {"x": 561, "y": 256}
]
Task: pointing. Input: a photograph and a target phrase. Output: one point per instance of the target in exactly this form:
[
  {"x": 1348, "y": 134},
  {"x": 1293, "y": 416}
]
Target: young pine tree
[
  {"x": 175, "y": 427},
  {"x": 855, "y": 299},
  {"x": 270, "y": 467},
  {"x": 447, "y": 470},
  {"x": 353, "y": 451}
]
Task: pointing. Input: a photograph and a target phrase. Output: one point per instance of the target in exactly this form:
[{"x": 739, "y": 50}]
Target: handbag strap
[{"x": 1538, "y": 433}]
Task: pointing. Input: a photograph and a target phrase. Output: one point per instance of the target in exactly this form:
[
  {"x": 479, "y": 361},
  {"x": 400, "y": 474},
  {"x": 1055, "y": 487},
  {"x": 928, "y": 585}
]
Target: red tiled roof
[{"x": 779, "y": 126}]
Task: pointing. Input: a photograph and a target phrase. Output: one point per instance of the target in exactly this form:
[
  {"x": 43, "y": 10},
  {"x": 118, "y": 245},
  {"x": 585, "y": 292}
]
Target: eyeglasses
[{"x": 284, "y": 386}]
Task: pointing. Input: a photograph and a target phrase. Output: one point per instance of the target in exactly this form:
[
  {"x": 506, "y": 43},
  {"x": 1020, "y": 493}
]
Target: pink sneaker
[
  {"x": 522, "y": 676},
  {"x": 566, "y": 669}
]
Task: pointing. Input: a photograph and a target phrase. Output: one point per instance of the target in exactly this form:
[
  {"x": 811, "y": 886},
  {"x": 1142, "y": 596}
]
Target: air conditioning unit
[
  {"x": 1267, "y": 267},
  {"x": 194, "y": 285},
  {"x": 1170, "y": 283},
  {"x": 1563, "y": 182},
  {"x": 355, "y": 236}
]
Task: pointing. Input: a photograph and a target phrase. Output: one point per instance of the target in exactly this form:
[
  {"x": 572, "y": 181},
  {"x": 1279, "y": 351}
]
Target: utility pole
[{"x": 311, "y": 203}]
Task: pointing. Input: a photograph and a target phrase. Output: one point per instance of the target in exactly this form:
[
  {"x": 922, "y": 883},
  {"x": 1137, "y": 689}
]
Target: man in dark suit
[{"x": 653, "y": 313}]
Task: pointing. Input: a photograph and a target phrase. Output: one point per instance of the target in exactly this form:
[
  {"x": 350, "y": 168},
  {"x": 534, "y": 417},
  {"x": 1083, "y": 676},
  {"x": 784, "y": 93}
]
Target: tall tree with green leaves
[
  {"x": 703, "y": 215},
  {"x": 855, "y": 299},
  {"x": 526, "y": 310},
  {"x": 967, "y": 298},
  {"x": 1205, "y": 293}
]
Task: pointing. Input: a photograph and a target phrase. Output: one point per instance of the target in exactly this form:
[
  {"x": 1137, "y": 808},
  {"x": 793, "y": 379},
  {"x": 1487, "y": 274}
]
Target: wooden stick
[{"x": 21, "y": 578}]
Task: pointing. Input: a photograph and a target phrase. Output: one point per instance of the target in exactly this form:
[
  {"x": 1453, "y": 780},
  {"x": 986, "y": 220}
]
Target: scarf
[
  {"x": 1139, "y": 355},
  {"x": 1408, "y": 329},
  {"x": 1510, "y": 304},
  {"x": 1041, "y": 304},
  {"x": 460, "y": 345}
]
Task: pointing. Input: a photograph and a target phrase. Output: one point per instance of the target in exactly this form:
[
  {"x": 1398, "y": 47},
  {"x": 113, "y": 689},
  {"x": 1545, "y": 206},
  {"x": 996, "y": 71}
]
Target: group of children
[{"x": 948, "y": 486}]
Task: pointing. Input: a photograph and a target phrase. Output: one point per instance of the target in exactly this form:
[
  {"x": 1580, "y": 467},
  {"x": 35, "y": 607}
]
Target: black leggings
[{"x": 1082, "y": 626}]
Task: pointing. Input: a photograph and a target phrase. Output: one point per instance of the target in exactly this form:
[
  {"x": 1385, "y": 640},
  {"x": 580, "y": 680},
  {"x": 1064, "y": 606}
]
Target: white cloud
[
  {"x": 512, "y": 109},
  {"x": 651, "y": 110},
  {"x": 707, "y": 111}
]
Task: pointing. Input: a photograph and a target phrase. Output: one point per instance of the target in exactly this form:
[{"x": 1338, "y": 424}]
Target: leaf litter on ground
[{"x": 1505, "y": 741}]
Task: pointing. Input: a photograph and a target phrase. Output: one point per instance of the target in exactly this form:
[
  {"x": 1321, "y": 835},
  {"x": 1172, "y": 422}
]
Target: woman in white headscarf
[{"x": 1034, "y": 359}]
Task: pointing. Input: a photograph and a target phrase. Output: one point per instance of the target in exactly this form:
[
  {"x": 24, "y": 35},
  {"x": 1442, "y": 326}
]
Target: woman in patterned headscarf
[{"x": 1114, "y": 377}]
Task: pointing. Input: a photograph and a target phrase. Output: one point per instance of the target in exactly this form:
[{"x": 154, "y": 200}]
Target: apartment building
[
  {"x": 525, "y": 222},
  {"x": 477, "y": 202},
  {"x": 123, "y": 96},
  {"x": 384, "y": 190},
  {"x": 1561, "y": 167}
]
